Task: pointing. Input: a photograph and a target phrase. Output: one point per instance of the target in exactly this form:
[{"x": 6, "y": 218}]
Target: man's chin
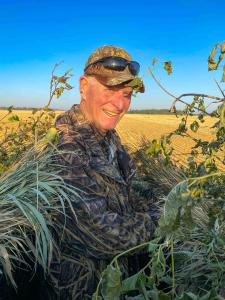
[{"x": 104, "y": 129}]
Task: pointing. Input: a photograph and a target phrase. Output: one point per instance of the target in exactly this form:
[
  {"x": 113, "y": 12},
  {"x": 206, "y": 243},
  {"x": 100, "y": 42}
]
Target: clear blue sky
[{"x": 35, "y": 34}]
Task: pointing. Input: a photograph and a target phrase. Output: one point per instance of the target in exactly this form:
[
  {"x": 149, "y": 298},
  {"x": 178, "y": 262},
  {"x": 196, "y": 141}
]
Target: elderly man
[{"x": 107, "y": 218}]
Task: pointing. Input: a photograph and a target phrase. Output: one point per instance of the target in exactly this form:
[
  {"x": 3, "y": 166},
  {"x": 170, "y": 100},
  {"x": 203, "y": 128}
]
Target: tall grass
[{"x": 32, "y": 194}]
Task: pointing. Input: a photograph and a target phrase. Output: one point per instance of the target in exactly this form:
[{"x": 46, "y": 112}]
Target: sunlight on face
[{"x": 102, "y": 105}]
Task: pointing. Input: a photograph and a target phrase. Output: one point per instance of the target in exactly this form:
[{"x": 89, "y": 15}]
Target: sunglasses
[{"x": 117, "y": 63}]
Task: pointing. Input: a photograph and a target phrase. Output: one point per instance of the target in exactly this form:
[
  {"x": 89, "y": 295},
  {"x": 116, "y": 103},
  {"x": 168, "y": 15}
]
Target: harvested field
[
  {"x": 136, "y": 128},
  {"x": 22, "y": 114}
]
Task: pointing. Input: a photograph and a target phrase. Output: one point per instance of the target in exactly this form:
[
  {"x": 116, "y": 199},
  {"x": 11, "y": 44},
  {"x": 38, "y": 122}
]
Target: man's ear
[{"x": 83, "y": 86}]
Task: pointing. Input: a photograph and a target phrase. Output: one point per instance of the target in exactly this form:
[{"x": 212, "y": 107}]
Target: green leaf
[
  {"x": 138, "y": 297},
  {"x": 168, "y": 67},
  {"x": 58, "y": 91},
  {"x": 131, "y": 283},
  {"x": 152, "y": 247},
  {"x": 194, "y": 126},
  {"x": 189, "y": 296},
  {"x": 172, "y": 206},
  {"x": 34, "y": 110},
  {"x": 201, "y": 118},
  {"x": 137, "y": 85},
  {"x": 68, "y": 72},
  {"x": 222, "y": 52},
  {"x": 52, "y": 136},
  {"x": 168, "y": 280},
  {"x": 10, "y": 108},
  {"x": 96, "y": 297},
  {"x": 223, "y": 76},
  {"x": 154, "y": 148},
  {"x": 62, "y": 79},
  {"x": 223, "y": 47},
  {"x": 5, "y": 262},
  {"x": 201, "y": 104},
  {"x": 163, "y": 296},
  {"x": 212, "y": 65},
  {"x": 222, "y": 115},
  {"x": 211, "y": 295},
  {"x": 111, "y": 283},
  {"x": 14, "y": 118},
  {"x": 153, "y": 294},
  {"x": 155, "y": 59},
  {"x": 182, "y": 126}
]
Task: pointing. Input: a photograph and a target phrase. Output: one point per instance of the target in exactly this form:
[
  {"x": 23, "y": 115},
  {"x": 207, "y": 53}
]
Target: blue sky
[{"x": 35, "y": 34}]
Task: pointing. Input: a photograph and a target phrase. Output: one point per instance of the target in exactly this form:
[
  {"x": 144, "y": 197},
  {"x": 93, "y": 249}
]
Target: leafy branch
[
  {"x": 211, "y": 151},
  {"x": 190, "y": 238},
  {"x": 16, "y": 140}
]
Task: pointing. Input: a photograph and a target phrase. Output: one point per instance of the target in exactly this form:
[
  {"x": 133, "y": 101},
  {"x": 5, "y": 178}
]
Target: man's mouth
[{"x": 111, "y": 113}]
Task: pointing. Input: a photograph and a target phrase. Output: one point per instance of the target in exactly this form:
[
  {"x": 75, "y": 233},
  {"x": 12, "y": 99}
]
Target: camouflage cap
[{"x": 106, "y": 76}]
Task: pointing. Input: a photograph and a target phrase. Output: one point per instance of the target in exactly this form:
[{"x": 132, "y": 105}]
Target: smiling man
[
  {"x": 109, "y": 218},
  {"x": 103, "y": 105}
]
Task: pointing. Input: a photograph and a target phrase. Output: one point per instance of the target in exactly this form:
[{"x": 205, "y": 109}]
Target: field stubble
[{"x": 134, "y": 129}]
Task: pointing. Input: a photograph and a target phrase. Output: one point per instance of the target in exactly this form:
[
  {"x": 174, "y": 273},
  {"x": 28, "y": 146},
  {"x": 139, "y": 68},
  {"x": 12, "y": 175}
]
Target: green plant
[
  {"x": 14, "y": 141},
  {"x": 187, "y": 255},
  {"x": 211, "y": 152},
  {"x": 32, "y": 192}
]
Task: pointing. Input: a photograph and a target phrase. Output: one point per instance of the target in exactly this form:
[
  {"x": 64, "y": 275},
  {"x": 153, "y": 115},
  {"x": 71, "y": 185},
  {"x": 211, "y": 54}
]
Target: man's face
[{"x": 103, "y": 106}]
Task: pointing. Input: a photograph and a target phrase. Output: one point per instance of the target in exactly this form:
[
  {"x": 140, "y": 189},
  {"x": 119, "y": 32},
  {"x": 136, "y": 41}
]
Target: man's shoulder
[
  {"x": 68, "y": 129},
  {"x": 67, "y": 121},
  {"x": 64, "y": 118}
]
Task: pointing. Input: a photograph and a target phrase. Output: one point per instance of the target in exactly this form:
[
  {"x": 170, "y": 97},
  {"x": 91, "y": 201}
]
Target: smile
[{"x": 111, "y": 113}]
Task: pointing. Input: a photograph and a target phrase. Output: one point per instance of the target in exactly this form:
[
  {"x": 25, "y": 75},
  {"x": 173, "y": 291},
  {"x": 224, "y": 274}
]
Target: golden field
[{"x": 134, "y": 128}]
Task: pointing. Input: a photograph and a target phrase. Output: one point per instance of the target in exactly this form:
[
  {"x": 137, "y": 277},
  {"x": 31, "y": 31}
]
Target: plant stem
[
  {"x": 144, "y": 293},
  {"x": 127, "y": 251},
  {"x": 5, "y": 116},
  {"x": 160, "y": 85},
  {"x": 173, "y": 270},
  {"x": 204, "y": 176}
]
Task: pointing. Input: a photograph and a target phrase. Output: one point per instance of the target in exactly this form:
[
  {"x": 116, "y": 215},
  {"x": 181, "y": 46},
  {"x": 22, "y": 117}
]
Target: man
[{"x": 106, "y": 218}]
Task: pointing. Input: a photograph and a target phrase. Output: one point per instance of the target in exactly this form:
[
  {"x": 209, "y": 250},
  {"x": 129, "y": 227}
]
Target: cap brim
[
  {"x": 114, "y": 80},
  {"x": 110, "y": 77}
]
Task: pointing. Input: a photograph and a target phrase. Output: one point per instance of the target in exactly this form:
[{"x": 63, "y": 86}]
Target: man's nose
[{"x": 119, "y": 101}]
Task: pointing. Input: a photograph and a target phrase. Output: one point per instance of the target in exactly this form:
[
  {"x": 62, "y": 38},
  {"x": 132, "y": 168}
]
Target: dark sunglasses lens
[
  {"x": 120, "y": 63},
  {"x": 115, "y": 63},
  {"x": 134, "y": 67}
]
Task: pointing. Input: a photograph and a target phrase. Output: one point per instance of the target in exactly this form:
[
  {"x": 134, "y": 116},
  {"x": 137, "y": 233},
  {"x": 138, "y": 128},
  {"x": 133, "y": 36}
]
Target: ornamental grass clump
[{"x": 32, "y": 195}]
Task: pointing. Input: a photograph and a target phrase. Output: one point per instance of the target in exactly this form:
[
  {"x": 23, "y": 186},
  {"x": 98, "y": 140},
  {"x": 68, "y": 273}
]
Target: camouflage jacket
[{"x": 107, "y": 219}]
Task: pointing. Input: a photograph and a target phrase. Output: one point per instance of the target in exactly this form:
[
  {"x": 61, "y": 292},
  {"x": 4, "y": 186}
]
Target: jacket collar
[{"x": 98, "y": 160}]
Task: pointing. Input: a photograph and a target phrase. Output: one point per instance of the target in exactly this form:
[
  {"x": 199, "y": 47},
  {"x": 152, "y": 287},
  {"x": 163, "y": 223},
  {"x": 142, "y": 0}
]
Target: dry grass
[
  {"x": 133, "y": 129},
  {"x": 22, "y": 114}
]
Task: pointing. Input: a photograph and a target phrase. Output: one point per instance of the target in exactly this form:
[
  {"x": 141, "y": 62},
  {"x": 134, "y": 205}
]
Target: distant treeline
[
  {"x": 151, "y": 111},
  {"x": 162, "y": 111},
  {"x": 25, "y": 108}
]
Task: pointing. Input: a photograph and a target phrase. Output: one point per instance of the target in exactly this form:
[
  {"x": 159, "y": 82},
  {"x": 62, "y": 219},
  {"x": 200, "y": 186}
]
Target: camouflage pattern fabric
[{"x": 106, "y": 219}]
